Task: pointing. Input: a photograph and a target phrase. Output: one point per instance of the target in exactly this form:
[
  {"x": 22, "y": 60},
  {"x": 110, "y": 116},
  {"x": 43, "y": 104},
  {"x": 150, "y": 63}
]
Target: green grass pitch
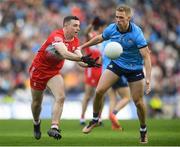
[{"x": 160, "y": 132}]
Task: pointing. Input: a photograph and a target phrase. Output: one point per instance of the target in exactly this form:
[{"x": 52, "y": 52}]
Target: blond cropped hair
[{"x": 125, "y": 8}]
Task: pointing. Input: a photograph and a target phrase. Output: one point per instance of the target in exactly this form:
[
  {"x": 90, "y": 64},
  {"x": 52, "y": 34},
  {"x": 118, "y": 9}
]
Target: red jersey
[
  {"x": 47, "y": 62},
  {"x": 46, "y": 59}
]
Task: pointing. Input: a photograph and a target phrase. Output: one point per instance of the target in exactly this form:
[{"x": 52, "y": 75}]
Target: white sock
[
  {"x": 143, "y": 130},
  {"x": 36, "y": 122},
  {"x": 96, "y": 119},
  {"x": 82, "y": 120},
  {"x": 55, "y": 126}
]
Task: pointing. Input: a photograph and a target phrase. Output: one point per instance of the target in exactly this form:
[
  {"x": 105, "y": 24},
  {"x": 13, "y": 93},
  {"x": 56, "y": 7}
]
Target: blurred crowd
[{"x": 25, "y": 24}]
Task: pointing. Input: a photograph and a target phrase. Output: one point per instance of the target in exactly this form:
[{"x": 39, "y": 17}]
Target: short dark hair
[
  {"x": 69, "y": 18},
  {"x": 100, "y": 24}
]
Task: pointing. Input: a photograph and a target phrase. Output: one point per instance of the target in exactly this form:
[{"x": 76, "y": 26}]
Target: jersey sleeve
[
  {"x": 55, "y": 38},
  {"x": 140, "y": 40},
  {"x": 106, "y": 33}
]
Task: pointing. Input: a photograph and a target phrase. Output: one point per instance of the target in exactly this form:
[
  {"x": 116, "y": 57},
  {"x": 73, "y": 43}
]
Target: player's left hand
[
  {"x": 148, "y": 86},
  {"x": 87, "y": 58},
  {"x": 94, "y": 63}
]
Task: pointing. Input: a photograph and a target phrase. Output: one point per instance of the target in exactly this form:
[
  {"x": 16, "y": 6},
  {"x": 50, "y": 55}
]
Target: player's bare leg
[
  {"x": 89, "y": 92},
  {"x": 107, "y": 79},
  {"x": 112, "y": 102},
  {"x": 124, "y": 92},
  {"x": 100, "y": 123},
  {"x": 56, "y": 85},
  {"x": 112, "y": 99},
  {"x": 37, "y": 97},
  {"x": 137, "y": 92}
]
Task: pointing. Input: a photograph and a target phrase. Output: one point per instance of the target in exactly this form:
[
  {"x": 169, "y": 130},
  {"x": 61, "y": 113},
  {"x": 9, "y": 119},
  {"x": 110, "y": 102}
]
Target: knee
[
  {"x": 139, "y": 102},
  {"x": 87, "y": 98},
  {"x": 100, "y": 92},
  {"x": 36, "y": 104},
  {"x": 127, "y": 99},
  {"x": 60, "y": 99}
]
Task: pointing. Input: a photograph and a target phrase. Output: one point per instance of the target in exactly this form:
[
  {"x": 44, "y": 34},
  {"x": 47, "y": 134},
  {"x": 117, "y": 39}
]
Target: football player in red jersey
[
  {"x": 44, "y": 71},
  {"x": 92, "y": 75}
]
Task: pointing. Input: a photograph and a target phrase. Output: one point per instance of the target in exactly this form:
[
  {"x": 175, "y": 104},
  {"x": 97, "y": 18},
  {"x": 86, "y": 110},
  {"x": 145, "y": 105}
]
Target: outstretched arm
[
  {"x": 82, "y": 64},
  {"x": 93, "y": 41},
  {"x": 63, "y": 51}
]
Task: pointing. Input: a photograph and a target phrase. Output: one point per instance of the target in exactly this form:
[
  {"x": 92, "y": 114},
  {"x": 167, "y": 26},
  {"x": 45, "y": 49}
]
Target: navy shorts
[
  {"x": 122, "y": 82},
  {"x": 130, "y": 75}
]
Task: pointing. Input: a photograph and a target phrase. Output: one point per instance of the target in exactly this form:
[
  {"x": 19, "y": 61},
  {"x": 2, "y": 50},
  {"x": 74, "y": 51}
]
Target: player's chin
[
  {"x": 75, "y": 33},
  {"x": 120, "y": 23}
]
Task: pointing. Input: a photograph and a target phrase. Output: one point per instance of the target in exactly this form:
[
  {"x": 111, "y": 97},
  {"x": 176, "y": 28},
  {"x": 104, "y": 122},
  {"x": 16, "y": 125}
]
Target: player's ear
[{"x": 129, "y": 18}]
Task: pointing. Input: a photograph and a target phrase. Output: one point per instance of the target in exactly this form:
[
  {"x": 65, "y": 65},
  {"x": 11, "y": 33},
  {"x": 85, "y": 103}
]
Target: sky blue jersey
[{"x": 131, "y": 41}]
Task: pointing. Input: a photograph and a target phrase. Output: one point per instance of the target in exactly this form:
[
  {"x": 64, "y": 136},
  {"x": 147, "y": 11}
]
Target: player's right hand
[{"x": 148, "y": 86}]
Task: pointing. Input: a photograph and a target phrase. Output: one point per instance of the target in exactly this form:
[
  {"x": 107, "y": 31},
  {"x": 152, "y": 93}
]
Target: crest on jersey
[
  {"x": 73, "y": 48},
  {"x": 110, "y": 66},
  {"x": 130, "y": 41}
]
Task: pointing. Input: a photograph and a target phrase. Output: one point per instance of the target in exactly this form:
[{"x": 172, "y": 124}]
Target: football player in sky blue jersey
[{"x": 130, "y": 64}]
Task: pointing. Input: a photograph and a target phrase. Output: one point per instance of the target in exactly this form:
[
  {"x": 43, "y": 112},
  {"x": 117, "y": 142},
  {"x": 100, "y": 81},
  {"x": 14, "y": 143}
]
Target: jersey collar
[{"x": 128, "y": 30}]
